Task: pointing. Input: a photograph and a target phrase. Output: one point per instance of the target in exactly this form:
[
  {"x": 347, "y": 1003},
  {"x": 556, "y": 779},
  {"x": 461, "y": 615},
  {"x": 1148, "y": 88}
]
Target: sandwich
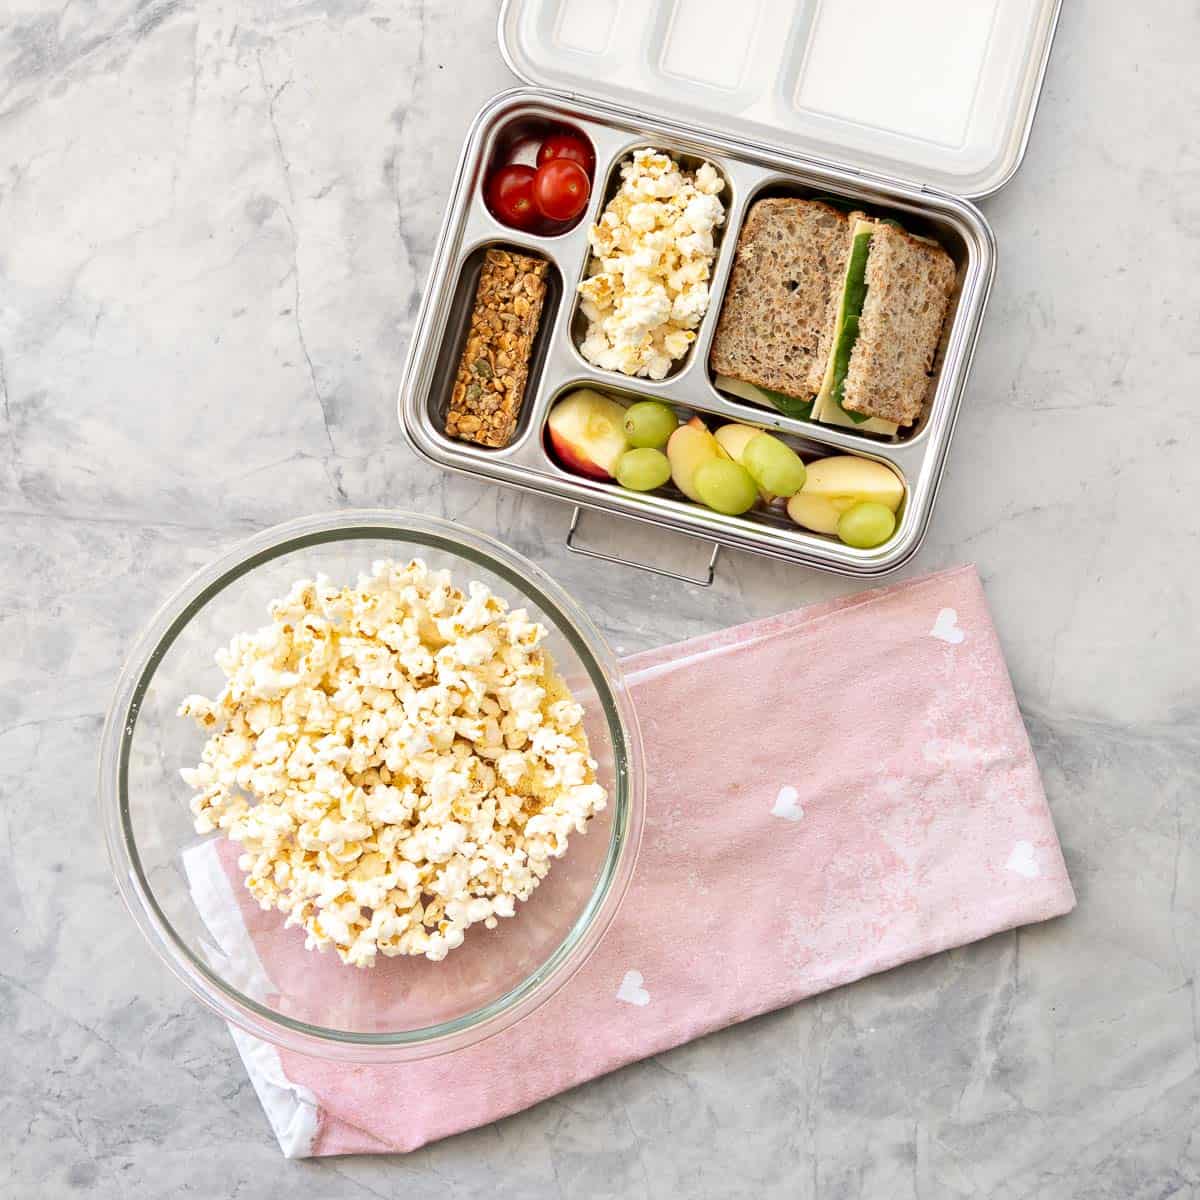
[
  {"x": 832, "y": 316},
  {"x": 777, "y": 320}
]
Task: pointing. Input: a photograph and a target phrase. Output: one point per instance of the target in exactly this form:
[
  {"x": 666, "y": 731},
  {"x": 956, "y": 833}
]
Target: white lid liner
[{"x": 940, "y": 92}]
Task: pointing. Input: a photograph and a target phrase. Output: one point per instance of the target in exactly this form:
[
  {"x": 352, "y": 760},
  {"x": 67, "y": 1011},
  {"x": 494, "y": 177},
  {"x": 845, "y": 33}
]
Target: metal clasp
[{"x": 641, "y": 566}]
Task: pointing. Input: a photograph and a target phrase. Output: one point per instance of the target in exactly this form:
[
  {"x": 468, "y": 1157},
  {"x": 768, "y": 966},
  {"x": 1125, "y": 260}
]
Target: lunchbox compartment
[
  {"x": 454, "y": 337},
  {"x": 689, "y": 161},
  {"x": 921, "y": 223},
  {"x": 772, "y": 516},
  {"x": 527, "y": 127},
  {"x": 524, "y": 130}
]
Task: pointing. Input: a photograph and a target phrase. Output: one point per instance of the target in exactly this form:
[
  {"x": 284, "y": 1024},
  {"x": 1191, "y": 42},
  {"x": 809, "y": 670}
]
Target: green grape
[
  {"x": 725, "y": 486},
  {"x": 643, "y": 469},
  {"x": 649, "y": 423},
  {"x": 866, "y": 524},
  {"x": 776, "y": 467}
]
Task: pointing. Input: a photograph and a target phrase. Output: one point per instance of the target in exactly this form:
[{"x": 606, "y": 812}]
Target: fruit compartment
[
  {"x": 454, "y": 336},
  {"x": 917, "y": 221},
  {"x": 670, "y": 498},
  {"x": 690, "y": 157}
]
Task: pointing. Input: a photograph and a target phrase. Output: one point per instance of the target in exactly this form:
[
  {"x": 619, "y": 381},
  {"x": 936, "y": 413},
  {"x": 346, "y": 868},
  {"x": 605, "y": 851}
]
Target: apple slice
[
  {"x": 688, "y": 448},
  {"x": 587, "y": 431},
  {"x": 833, "y": 485},
  {"x": 813, "y": 512},
  {"x": 844, "y": 480}
]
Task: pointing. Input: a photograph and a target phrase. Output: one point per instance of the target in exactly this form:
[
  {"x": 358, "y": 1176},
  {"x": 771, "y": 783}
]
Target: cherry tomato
[
  {"x": 572, "y": 146},
  {"x": 510, "y": 196},
  {"x": 560, "y": 189}
]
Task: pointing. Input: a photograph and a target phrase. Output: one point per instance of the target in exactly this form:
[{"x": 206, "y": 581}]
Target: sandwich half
[
  {"x": 778, "y": 317},
  {"x": 891, "y": 310},
  {"x": 832, "y": 317},
  {"x": 909, "y": 282}
]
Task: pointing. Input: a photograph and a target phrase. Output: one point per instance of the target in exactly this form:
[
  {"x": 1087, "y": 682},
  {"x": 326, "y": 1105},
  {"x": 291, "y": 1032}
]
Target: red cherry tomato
[
  {"x": 510, "y": 196},
  {"x": 561, "y": 189},
  {"x": 571, "y": 146}
]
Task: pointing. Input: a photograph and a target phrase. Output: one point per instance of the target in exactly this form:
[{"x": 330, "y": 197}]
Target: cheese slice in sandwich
[
  {"x": 790, "y": 406},
  {"x": 894, "y": 302}
]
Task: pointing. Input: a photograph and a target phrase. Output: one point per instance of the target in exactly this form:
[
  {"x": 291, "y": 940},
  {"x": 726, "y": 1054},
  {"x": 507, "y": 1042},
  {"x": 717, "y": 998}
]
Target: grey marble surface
[{"x": 215, "y": 220}]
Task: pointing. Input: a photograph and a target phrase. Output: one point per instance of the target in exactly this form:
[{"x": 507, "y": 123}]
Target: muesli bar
[{"x": 494, "y": 369}]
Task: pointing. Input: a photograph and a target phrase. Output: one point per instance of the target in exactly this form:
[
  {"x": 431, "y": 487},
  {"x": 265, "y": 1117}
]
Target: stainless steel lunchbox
[{"x": 751, "y": 168}]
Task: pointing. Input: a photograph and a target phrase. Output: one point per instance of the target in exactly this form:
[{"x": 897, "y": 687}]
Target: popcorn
[
  {"x": 397, "y": 760},
  {"x": 647, "y": 286}
]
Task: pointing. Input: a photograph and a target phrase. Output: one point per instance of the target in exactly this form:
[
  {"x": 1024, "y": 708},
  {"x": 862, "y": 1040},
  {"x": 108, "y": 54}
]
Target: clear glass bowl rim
[{"x": 626, "y": 804}]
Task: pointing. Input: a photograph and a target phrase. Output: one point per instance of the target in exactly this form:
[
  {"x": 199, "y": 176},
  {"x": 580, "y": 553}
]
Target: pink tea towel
[{"x": 830, "y": 793}]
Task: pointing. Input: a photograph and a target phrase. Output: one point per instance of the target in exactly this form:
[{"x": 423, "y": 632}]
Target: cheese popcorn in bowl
[{"x": 408, "y": 750}]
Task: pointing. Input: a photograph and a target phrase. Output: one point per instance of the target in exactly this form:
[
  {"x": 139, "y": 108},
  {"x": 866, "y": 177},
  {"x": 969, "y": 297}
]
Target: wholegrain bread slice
[
  {"x": 909, "y": 284},
  {"x": 776, "y": 323}
]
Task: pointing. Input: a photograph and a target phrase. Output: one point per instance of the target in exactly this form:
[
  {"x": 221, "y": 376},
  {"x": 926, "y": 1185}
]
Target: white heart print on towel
[
  {"x": 946, "y": 628},
  {"x": 631, "y": 990},
  {"x": 1024, "y": 861},
  {"x": 787, "y": 805}
]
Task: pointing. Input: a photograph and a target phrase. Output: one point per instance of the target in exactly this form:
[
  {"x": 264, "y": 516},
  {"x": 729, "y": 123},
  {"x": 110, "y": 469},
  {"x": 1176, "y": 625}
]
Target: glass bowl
[{"x": 183, "y": 888}]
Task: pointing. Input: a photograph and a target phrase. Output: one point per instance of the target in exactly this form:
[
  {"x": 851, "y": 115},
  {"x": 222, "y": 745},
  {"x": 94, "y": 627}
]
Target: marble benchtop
[{"x": 215, "y": 222}]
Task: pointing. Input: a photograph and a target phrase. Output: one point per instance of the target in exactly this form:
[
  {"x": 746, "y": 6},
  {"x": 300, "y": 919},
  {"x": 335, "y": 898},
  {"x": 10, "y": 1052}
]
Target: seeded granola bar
[{"x": 490, "y": 383}]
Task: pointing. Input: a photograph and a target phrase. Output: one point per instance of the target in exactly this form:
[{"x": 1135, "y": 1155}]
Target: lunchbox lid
[{"x": 940, "y": 93}]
